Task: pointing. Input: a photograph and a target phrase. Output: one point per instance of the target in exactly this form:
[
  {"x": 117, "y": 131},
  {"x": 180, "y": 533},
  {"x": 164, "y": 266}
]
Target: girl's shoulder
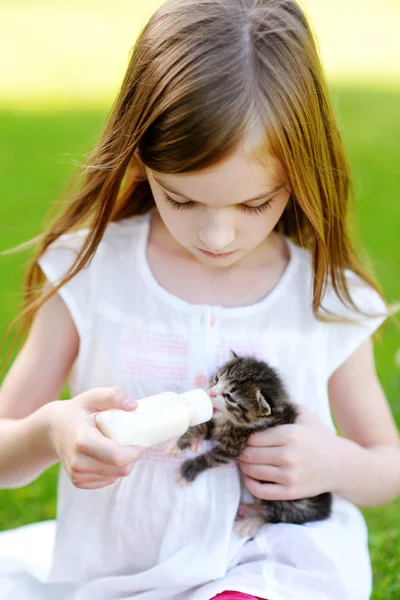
[
  {"x": 342, "y": 325},
  {"x": 366, "y": 303},
  {"x": 106, "y": 270},
  {"x": 117, "y": 237},
  {"x": 122, "y": 236},
  {"x": 118, "y": 245},
  {"x": 365, "y": 300}
]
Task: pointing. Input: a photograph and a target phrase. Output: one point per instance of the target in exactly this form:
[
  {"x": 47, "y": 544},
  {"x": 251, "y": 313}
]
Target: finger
[
  {"x": 90, "y": 468},
  {"x": 306, "y": 416},
  {"x": 99, "y": 399},
  {"x": 275, "y": 436},
  {"x": 266, "y": 491},
  {"x": 96, "y": 484},
  {"x": 101, "y": 448},
  {"x": 261, "y": 455},
  {"x": 263, "y": 473}
]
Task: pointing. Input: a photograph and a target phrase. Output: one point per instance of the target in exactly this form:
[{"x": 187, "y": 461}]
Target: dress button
[
  {"x": 213, "y": 320},
  {"x": 200, "y": 381}
]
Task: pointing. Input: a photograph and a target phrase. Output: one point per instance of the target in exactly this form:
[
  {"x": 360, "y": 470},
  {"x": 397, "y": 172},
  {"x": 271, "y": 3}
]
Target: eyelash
[{"x": 253, "y": 210}]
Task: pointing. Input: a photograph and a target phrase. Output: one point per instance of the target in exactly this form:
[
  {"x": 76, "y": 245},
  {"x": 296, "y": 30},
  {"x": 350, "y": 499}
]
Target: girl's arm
[
  {"x": 35, "y": 379},
  {"x": 368, "y": 462},
  {"x": 37, "y": 431},
  {"x": 306, "y": 458}
]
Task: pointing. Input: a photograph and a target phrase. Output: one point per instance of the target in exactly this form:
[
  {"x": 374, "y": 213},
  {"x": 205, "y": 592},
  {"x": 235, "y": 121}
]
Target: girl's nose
[{"x": 217, "y": 236}]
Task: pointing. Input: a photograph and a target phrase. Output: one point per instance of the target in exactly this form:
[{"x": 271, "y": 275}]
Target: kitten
[{"x": 248, "y": 396}]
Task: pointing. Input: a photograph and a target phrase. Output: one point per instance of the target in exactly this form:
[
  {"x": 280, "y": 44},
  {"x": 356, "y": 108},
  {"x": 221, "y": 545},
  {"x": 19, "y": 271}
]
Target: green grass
[{"x": 37, "y": 150}]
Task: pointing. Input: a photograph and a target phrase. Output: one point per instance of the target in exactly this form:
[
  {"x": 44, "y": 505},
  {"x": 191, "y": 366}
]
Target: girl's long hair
[{"x": 202, "y": 77}]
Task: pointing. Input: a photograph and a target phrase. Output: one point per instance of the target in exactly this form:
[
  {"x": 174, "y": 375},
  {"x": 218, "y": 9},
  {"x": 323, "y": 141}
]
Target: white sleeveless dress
[{"x": 145, "y": 537}]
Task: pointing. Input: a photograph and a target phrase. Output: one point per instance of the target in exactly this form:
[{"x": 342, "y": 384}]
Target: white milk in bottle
[{"x": 157, "y": 419}]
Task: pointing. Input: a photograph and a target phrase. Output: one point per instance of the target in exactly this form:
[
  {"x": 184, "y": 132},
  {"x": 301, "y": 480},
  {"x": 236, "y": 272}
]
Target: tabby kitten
[{"x": 248, "y": 396}]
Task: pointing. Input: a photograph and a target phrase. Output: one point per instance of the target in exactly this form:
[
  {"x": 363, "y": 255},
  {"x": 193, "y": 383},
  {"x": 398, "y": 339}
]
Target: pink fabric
[{"x": 234, "y": 596}]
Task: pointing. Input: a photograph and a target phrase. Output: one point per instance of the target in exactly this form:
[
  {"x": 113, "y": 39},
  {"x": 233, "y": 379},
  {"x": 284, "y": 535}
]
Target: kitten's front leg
[
  {"x": 193, "y": 439},
  {"x": 219, "y": 455},
  {"x": 192, "y": 467}
]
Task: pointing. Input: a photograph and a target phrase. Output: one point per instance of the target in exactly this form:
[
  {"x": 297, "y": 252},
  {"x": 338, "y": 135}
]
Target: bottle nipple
[{"x": 201, "y": 406}]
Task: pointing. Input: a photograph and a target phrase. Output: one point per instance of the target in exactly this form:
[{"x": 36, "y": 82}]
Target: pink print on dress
[
  {"x": 157, "y": 342},
  {"x": 159, "y": 454},
  {"x": 200, "y": 381},
  {"x": 155, "y": 356}
]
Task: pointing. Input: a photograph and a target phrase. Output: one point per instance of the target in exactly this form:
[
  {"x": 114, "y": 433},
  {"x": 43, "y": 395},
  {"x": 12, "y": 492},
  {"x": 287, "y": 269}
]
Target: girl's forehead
[{"x": 240, "y": 177}]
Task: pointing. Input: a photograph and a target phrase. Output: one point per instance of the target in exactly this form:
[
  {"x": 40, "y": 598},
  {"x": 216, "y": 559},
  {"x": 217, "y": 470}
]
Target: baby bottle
[{"x": 156, "y": 419}]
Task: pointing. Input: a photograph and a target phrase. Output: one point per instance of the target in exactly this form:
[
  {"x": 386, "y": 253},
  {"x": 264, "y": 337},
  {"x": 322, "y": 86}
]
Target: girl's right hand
[{"x": 90, "y": 459}]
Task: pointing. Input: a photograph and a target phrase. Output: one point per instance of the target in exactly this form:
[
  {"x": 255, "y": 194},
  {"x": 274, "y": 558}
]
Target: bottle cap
[{"x": 201, "y": 405}]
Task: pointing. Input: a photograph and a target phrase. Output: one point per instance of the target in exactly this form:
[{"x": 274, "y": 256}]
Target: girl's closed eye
[
  {"x": 244, "y": 207},
  {"x": 257, "y": 210},
  {"x": 178, "y": 205}
]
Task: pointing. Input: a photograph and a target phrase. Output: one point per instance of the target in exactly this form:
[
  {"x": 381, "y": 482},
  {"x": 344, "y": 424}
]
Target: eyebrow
[{"x": 270, "y": 192}]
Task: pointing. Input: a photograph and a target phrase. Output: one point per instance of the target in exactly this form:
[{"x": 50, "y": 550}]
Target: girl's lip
[{"x": 219, "y": 255}]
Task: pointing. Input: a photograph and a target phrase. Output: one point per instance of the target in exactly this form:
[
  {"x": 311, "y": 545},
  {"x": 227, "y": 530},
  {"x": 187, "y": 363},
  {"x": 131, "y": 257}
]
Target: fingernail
[
  {"x": 129, "y": 403},
  {"x": 120, "y": 394}
]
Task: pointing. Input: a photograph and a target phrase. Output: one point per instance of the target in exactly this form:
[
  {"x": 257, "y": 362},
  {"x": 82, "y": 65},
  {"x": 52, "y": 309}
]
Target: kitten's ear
[
  {"x": 266, "y": 408},
  {"x": 233, "y": 355}
]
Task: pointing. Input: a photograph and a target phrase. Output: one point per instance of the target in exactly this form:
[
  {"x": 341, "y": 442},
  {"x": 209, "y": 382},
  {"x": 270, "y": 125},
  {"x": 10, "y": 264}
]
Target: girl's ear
[
  {"x": 266, "y": 408},
  {"x": 233, "y": 354}
]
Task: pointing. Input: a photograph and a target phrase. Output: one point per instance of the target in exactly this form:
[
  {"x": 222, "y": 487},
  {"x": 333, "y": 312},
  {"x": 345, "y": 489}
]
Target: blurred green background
[{"x": 61, "y": 64}]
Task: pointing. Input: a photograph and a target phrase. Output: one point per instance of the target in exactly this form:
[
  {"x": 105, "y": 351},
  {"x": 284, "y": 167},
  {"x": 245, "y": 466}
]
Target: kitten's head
[{"x": 248, "y": 392}]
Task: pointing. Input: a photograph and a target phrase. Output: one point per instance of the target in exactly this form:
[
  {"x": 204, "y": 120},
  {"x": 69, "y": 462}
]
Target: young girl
[{"x": 211, "y": 218}]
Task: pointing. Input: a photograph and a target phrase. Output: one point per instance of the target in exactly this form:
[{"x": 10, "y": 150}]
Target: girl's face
[{"x": 222, "y": 213}]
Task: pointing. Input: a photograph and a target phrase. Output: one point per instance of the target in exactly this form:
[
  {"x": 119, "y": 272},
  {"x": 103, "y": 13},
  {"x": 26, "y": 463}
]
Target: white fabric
[{"x": 145, "y": 537}]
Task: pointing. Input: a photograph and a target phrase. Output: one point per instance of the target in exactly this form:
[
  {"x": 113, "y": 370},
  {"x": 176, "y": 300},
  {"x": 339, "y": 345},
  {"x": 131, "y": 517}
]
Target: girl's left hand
[{"x": 289, "y": 462}]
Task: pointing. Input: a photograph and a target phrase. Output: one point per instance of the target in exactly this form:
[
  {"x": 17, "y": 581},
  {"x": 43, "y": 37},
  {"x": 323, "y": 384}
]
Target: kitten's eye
[
  {"x": 216, "y": 378},
  {"x": 230, "y": 399}
]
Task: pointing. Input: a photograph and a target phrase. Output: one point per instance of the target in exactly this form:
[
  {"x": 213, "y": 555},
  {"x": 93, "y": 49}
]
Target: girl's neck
[{"x": 183, "y": 275}]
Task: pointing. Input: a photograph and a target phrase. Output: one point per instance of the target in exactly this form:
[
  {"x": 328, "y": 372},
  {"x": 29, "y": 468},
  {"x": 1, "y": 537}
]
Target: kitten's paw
[
  {"x": 181, "y": 481},
  {"x": 187, "y": 473},
  {"x": 249, "y": 526},
  {"x": 197, "y": 446},
  {"x": 172, "y": 449},
  {"x": 247, "y": 509}
]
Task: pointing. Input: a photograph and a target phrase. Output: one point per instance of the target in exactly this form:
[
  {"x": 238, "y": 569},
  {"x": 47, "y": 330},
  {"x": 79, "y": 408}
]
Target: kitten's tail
[{"x": 297, "y": 511}]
